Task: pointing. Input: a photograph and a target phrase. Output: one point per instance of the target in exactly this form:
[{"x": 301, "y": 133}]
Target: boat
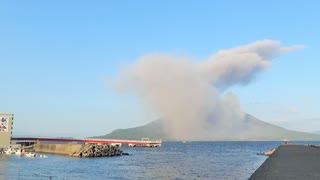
[
  {"x": 16, "y": 150},
  {"x": 42, "y": 156},
  {"x": 28, "y": 154},
  {"x": 12, "y": 151}
]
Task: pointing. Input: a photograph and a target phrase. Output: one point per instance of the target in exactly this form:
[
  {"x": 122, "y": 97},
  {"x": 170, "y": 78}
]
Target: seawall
[
  {"x": 65, "y": 149},
  {"x": 290, "y": 162}
]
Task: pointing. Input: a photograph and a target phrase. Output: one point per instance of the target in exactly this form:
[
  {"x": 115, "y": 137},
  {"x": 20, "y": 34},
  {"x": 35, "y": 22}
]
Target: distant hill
[
  {"x": 153, "y": 130},
  {"x": 315, "y": 132},
  {"x": 260, "y": 130},
  {"x": 254, "y": 130}
]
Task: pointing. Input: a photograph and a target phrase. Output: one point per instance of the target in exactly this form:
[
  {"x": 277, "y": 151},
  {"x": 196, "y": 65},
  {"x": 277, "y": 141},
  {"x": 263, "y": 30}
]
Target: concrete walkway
[{"x": 290, "y": 162}]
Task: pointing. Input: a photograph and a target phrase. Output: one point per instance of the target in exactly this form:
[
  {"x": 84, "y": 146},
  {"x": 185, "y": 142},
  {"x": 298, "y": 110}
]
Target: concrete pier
[
  {"x": 290, "y": 162},
  {"x": 144, "y": 142},
  {"x": 65, "y": 149}
]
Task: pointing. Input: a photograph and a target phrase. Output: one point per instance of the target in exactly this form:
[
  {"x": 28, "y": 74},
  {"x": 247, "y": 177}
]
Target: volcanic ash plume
[{"x": 188, "y": 94}]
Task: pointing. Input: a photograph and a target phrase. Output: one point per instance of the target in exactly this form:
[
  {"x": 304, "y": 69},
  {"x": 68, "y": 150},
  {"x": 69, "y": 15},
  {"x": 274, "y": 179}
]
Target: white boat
[
  {"x": 17, "y": 151},
  {"x": 13, "y": 151},
  {"x": 42, "y": 156},
  {"x": 28, "y": 154}
]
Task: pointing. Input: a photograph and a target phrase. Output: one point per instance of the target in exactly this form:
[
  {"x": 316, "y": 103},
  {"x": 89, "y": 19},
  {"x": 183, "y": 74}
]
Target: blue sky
[{"x": 56, "y": 58}]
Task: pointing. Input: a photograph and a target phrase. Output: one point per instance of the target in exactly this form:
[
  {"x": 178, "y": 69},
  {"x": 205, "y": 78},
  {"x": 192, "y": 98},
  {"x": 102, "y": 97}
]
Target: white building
[{"x": 6, "y": 125}]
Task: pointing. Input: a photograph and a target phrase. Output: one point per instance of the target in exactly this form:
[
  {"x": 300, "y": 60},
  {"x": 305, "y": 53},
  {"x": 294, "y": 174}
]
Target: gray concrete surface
[{"x": 290, "y": 162}]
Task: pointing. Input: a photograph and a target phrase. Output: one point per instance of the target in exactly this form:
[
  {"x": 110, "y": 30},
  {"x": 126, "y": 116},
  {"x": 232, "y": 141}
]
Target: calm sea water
[{"x": 174, "y": 160}]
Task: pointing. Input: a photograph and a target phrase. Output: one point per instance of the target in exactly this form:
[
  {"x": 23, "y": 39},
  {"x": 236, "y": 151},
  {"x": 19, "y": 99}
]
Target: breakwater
[
  {"x": 80, "y": 150},
  {"x": 93, "y": 150},
  {"x": 64, "y": 149},
  {"x": 290, "y": 162}
]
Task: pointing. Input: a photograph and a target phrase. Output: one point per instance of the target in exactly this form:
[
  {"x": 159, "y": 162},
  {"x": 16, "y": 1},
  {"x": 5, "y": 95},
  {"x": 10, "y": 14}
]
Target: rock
[{"x": 92, "y": 150}]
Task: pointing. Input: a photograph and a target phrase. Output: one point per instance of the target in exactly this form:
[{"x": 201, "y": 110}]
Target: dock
[
  {"x": 144, "y": 142},
  {"x": 290, "y": 162}
]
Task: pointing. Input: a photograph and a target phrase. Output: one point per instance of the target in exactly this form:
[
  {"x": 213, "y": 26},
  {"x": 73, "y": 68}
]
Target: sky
[{"x": 57, "y": 59}]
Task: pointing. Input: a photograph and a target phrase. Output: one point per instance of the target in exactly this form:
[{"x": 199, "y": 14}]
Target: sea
[{"x": 173, "y": 160}]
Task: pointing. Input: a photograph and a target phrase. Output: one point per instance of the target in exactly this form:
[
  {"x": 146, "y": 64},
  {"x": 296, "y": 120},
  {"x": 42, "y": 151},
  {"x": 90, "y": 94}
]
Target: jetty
[
  {"x": 80, "y": 147},
  {"x": 144, "y": 142},
  {"x": 290, "y": 162}
]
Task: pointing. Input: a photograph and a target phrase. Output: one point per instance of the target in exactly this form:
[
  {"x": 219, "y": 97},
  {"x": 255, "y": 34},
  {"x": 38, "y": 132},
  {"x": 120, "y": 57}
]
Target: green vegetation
[{"x": 152, "y": 130}]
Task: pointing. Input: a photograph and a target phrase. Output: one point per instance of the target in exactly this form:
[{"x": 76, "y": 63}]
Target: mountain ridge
[{"x": 256, "y": 130}]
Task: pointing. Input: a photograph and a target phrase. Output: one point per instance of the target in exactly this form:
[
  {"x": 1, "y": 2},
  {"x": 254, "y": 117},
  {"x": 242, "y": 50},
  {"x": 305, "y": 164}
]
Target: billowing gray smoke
[{"x": 188, "y": 94}]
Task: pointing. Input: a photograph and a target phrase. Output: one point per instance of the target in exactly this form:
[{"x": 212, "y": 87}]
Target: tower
[{"x": 6, "y": 125}]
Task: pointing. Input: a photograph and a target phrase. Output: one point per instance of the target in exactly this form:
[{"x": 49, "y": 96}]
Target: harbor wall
[
  {"x": 57, "y": 148},
  {"x": 292, "y": 162}
]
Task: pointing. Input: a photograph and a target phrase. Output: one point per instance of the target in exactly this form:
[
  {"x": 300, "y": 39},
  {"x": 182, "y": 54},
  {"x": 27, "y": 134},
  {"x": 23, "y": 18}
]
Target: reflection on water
[
  {"x": 3, "y": 166},
  {"x": 174, "y": 160}
]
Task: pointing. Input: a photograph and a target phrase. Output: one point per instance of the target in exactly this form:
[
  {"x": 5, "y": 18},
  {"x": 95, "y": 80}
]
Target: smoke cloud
[{"x": 190, "y": 96}]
